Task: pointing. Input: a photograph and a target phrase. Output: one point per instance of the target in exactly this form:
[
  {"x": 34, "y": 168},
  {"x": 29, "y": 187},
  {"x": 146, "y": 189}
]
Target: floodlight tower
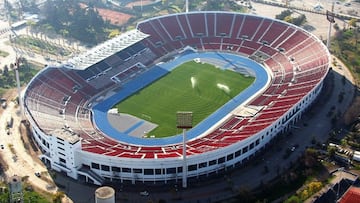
[
  {"x": 184, "y": 122},
  {"x": 330, "y": 16},
  {"x": 339, "y": 183},
  {"x": 17, "y": 66}
]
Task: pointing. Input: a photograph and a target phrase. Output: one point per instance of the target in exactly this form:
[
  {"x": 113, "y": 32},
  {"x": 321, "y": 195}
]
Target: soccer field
[{"x": 200, "y": 88}]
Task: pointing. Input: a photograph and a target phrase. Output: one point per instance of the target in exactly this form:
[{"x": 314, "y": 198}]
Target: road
[
  {"x": 18, "y": 159},
  {"x": 315, "y": 23},
  {"x": 5, "y": 45}
]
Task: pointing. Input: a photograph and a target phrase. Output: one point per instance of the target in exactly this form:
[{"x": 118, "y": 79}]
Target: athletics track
[{"x": 100, "y": 110}]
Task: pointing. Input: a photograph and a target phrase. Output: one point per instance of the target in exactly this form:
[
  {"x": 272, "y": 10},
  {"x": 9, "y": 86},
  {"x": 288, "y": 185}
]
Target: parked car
[{"x": 144, "y": 193}]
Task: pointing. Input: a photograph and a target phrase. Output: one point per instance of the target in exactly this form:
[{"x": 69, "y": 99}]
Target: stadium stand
[{"x": 61, "y": 97}]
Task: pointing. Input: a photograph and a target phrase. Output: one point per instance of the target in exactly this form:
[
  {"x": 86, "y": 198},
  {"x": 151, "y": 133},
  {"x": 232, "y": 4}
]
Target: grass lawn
[
  {"x": 346, "y": 46},
  {"x": 190, "y": 87},
  {"x": 39, "y": 45}
]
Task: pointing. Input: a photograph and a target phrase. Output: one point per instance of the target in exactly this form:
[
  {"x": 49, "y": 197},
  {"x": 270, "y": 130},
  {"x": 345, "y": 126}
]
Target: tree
[
  {"x": 68, "y": 18},
  {"x": 114, "y": 33},
  {"x": 299, "y": 20},
  {"x": 24, "y": 63},
  {"x": 331, "y": 151},
  {"x": 314, "y": 187},
  {"x": 30, "y": 25},
  {"x": 6, "y": 70},
  {"x": 64, "y": 33},
  {"x": 214, "y": 5},
  {"x": 47, "y": 28},
  {"x": 245, "y": 195},
  {"x": 58, "y": 196},
  {"x": 304, "y": 194},
  {"x": 288, "y": 19},
  {"x": 283, "y": 14},
  {"x": 293, "y": 199},
  {"x": 353, "y": 24},
  {"x": 310, "y": 158}
]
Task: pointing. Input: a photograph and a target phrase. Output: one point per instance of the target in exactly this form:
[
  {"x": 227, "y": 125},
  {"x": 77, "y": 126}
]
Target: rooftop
[
  {"x": 106, "y": 49},
  {"x": 66, "y": 135}
]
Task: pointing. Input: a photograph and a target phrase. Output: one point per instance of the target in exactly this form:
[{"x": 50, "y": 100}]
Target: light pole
[
  {"x": 339, "y": 183},
  {"x": 17, "y": 66},
  {"x": 184, "y": 122},
  {"x": 330, "y": 16}
]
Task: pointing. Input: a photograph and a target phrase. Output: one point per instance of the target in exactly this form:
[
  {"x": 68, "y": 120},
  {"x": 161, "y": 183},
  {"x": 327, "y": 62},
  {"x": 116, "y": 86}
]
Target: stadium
[{"x": 71, "y": 107}]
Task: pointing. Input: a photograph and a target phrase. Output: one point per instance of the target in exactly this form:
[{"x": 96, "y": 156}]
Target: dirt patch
[
  {"x": 115, "y": 18},
  {"x": 28, "y": 141},
  {"x": 9, "y": 95},
  {"x": 315, "y": 23},
  {"x": 138, "y": 3}
]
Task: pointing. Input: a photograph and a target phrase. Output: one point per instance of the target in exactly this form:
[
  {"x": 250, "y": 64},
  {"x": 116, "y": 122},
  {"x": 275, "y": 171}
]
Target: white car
[{"x": 144, "y": 193}]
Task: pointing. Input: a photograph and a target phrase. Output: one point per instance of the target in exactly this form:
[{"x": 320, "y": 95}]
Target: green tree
[
  {"x": 331, "y": 151},
  {"x": 64, "y": 33},
  {"x": 283, "y": 14},
  {"x": 114, "y": 33},
  {"x": 293, "y": 199},
  {"x": 214, "y": 5},
  {"x": 5, "y": 72},
  {"x": 288, "y": 19},
  {"x": 299, "y": 20},
  {"x": 314, "y": 187},
  {"x": 58, "y": 196},
  {"x": 353, "y": 24}
]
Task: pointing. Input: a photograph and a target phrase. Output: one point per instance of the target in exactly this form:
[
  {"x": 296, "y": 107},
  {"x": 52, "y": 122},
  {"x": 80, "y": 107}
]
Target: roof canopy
[{"x": 106, "y": 49}]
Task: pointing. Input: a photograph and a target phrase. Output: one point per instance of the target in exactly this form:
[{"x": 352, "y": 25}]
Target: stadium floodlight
[
  {"x": 16, "y": 68},
  {"x": 330, "y": 16},
  {"x": 184, "y": 121}
]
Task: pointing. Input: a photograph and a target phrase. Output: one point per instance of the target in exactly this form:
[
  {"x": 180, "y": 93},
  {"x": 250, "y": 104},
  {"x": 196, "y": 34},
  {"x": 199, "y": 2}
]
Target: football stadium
[{"x": 109, "y": 115}]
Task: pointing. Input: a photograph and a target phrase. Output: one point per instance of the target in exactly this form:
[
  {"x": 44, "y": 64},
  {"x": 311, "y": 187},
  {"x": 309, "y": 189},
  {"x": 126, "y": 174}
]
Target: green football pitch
[{"x": 198, "y": 87}]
